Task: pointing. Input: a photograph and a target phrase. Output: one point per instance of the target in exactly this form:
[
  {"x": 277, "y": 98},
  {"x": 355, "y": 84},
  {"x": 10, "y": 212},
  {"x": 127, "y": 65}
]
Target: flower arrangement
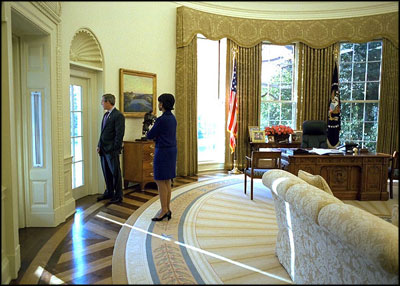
[{"x": 278, "y": 130}]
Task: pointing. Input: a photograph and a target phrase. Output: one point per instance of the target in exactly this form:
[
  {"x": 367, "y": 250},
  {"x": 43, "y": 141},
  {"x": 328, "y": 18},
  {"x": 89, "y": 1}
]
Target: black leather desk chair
[{"x": 314, "y": 134}]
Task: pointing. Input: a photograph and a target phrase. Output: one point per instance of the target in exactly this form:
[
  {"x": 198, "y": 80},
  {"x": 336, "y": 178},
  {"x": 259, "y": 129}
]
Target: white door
[
  {"x": 36, "y": 133},
  {"x": 79, "y": 136}
]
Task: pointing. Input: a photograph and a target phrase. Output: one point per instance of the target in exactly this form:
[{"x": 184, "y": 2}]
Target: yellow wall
[{"x": 133, "y": 35}]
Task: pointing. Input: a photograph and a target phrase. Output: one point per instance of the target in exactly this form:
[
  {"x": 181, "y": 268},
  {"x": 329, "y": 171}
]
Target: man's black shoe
[
  {"x": 115, "y": 201},
  {"x": 102, "y": 197}
]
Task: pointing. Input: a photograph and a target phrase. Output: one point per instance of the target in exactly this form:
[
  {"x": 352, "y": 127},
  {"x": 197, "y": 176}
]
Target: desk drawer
[
  {"x": 148, "y": 156},
  {"x": 148, "y": 148},
  {"x": 148, "y": 175}
]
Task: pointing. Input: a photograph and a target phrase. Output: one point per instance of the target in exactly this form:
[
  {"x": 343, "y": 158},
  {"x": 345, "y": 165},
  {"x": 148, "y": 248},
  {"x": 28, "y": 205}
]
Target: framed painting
[
  {"x": 251, "y": 129},
  {"x": 137, "y": 92},
  {"x": 258, "y": 136}
]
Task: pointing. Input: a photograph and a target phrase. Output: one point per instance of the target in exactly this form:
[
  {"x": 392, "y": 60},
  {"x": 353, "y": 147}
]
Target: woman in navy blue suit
[{"x": 164, "y": 164}]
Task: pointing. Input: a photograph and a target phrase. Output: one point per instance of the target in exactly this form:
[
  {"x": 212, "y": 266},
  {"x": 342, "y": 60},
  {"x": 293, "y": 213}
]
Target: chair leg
[
  {"x": 245, "y": 182},
  {"x": 391, "y": 188},
  {"x": 251, "y": 186}
]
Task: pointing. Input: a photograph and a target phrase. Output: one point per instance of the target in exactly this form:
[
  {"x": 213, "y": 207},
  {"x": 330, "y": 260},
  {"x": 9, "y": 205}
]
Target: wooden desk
[{"x": 350, "y": 177}]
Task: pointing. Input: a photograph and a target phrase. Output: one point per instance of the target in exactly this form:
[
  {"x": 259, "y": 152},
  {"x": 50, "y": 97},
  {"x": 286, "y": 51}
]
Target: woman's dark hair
[{"x": 167, "y": 101}]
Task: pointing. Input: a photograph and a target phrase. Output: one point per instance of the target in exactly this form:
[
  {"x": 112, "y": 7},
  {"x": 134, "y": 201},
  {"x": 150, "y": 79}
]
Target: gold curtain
[
  {"x": 388, "y": 126},
  {"x": 319, "y": 33},
  {"x": 315, "y": 69},
  {"x": 248, "y": 72},
  {"x": 186, "y": 108}
]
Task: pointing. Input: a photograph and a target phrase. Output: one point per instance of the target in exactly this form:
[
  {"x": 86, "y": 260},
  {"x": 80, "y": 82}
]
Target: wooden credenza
[
  {"x": 138, "y": 162},
  {"x": 350, "y": 177}
]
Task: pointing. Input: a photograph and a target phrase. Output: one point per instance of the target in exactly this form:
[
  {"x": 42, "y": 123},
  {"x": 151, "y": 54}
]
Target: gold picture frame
[
  {"x": 258, "y": 136},
  {"x": 251, "y": 129},
  {"x": 297, "y": 136},
  {"x": 137, "y": 92}
]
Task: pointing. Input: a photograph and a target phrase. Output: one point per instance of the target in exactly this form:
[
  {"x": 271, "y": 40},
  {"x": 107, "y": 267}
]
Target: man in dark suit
[{"x": 109, "y": 148}]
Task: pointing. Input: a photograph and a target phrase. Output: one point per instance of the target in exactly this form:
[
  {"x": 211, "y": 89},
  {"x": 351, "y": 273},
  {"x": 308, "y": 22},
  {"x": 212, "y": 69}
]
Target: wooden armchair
[
  {"x": 393, "y": 171},
  {"x": 259, "y": 163}
]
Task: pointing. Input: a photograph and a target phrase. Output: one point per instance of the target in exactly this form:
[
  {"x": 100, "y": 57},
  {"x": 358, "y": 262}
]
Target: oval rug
[{"x": 216, "y": 235}]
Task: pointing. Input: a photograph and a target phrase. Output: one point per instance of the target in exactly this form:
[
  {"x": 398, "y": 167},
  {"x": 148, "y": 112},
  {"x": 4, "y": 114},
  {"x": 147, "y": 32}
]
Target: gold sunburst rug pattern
[{"x": 216, "y": 235}]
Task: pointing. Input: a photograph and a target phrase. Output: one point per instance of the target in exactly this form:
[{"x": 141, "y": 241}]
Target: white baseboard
[
  {"x": 5, "y": 271},
  {"x": 210, "y": 166},
  {"x": 46, "y": 218},
  {"x": 69, "y": 208},
  {"x": 10, "y": 265}
]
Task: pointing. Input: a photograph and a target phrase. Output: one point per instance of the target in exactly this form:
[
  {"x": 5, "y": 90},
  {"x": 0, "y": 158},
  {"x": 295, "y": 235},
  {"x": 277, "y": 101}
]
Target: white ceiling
[{"x": 293, "y": 10}]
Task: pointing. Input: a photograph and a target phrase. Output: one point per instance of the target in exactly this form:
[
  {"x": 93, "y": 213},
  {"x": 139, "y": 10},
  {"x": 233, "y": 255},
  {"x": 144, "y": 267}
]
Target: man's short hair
[{"x": 108, "y": 97}]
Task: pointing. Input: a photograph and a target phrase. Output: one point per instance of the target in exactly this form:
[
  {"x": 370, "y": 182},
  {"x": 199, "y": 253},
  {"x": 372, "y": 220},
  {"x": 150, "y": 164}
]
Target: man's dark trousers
[{"x": 112, "y": 175}]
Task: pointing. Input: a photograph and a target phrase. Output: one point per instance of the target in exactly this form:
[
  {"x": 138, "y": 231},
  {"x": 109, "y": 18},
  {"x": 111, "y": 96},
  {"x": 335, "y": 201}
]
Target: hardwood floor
[{"x": 79, "y": 251}]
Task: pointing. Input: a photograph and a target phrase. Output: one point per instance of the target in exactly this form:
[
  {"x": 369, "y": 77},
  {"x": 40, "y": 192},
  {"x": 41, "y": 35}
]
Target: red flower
[{"x": 278, "y": 130}]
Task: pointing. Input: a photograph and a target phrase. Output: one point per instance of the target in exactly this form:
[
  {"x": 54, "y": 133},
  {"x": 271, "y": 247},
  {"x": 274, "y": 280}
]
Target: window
[
  {"x": 278, "y": 102},
  {"x": 37, "y": 134},
  {"x": 76, "y": 135},
  {"x": 359, "y": 81},
  {"x": 211, "y": 127}
]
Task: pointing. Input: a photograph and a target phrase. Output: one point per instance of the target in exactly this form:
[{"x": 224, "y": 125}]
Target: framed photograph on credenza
[
  {"x": 251, "y": 129},
  {"x": 297, "y": 136},
  {"x": 258, "y": 136}
]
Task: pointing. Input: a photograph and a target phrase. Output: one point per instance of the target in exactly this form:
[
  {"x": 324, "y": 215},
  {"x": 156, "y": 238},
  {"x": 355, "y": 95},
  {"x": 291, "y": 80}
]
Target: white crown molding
[
  {"x": 50, "y": 9},
  {"x": 288, "y": 10}
]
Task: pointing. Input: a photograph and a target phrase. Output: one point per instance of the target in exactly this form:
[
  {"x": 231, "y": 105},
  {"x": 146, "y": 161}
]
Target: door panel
[{"x": 36, "y": 118}]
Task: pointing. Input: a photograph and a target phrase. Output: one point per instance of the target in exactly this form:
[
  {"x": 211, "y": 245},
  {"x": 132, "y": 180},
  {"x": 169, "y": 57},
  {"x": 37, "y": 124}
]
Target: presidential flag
[
  {"x": 233, "y": 111},
  {"x": 334, "y": 112}
]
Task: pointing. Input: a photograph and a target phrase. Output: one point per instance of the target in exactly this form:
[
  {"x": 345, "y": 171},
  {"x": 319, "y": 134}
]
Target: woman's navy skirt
[{"x": 164, "y": 165}]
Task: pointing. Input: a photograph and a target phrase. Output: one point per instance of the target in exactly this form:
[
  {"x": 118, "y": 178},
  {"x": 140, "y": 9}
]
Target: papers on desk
[
  {"x": 323, "y": 151},
  {"x": 296, "y": 151}
]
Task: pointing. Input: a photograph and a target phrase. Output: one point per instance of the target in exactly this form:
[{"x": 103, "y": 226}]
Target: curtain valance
[{"x": 315, "y": 33}]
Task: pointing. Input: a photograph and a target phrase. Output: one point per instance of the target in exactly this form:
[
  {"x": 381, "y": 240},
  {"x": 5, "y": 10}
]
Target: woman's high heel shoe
[{"x": 166, "y": 215}]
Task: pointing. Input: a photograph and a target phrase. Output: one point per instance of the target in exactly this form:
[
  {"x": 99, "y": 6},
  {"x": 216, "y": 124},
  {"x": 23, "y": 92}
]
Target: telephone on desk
[{"x": 348, "y": 146}]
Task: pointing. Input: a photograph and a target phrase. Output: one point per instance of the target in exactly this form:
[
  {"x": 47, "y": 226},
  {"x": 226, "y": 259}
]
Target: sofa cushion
[
  {"x": 315, "y": 180},
  {"x": 309, "y": 200},
  {"x": 369, "y": 234},
  {"x": 279, "y": 181}
]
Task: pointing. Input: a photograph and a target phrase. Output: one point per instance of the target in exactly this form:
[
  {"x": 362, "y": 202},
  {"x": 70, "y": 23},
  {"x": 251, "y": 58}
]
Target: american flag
[{"x": 233, "y": 110}]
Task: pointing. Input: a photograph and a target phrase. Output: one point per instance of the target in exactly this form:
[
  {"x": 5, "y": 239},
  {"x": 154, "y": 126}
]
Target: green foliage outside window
[
  {"x": 359, "y": 79},
  {"x": 278, "y": 106}
]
